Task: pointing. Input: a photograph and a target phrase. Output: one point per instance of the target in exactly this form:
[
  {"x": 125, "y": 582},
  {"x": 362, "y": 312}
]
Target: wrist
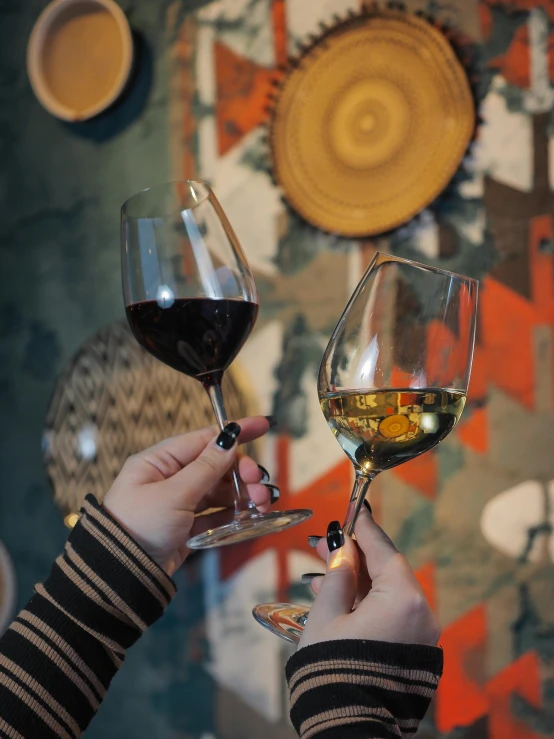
[{"x": 151, "y": 556}]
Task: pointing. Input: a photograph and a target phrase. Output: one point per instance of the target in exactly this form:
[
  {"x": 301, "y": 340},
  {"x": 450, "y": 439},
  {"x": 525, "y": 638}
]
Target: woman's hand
[
  {"x": 369, "y": 591},
  {"x": 159, "y": 491}
]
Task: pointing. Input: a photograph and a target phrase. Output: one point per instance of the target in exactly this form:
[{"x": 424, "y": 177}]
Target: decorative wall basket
[
  {"x": 113, "y": 400},
  {"x": 370, "y": 124}
]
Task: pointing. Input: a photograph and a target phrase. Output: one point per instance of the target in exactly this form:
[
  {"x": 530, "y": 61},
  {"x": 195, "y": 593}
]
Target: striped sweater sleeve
[
  {"x": 354, "y": 689},
  {"x": 60, "y": 654}
]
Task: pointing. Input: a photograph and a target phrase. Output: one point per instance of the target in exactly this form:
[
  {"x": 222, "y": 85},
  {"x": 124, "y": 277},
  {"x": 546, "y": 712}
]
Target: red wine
[{"x": 197, "y": 336}]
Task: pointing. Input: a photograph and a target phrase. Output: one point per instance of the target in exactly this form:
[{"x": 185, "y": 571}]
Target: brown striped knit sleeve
[
  {"x": 60, "y": 654},
  {"x": 354, "y": 689}
]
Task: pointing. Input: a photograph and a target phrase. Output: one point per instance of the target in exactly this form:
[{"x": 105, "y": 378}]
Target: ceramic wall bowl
[{"x": 79, "y": 57}]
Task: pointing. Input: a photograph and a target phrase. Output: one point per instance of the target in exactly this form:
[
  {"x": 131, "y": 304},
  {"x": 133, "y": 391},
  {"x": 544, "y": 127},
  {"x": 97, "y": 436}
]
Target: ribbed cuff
[
  {"x": 105, "y": 581},
  {"x": 404, "y": 656},
  {"x": 127, "y": 542},
  {"x": 357, "y": 688}
]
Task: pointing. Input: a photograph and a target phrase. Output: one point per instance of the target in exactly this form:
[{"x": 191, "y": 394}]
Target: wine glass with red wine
[
  {"x": 191, "y": 302},
  {"x": 392, "y": 382}
]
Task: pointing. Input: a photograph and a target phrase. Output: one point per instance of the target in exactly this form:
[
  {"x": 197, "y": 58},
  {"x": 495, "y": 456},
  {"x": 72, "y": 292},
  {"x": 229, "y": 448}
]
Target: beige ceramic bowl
[{"x": 79, "y": 57}]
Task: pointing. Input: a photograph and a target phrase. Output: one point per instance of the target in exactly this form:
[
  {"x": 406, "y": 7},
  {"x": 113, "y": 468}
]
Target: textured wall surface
[
  {"x": 475, "y": 517},
  {"x": 61, "y": 188}
]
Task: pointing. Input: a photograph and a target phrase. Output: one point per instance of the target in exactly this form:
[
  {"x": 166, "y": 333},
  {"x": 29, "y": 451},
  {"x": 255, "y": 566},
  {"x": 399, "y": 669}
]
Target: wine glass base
[
  {"x": 249, "y": 527},
  {"x": 282, "y": 619}
]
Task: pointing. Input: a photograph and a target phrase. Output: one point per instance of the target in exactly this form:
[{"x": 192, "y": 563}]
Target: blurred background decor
[
  {"x": 196, "y": 109},
  {"x": 79, "y": 57},
  {"x": 113, "y": 399},
  {"x": 370, "y": 122}
]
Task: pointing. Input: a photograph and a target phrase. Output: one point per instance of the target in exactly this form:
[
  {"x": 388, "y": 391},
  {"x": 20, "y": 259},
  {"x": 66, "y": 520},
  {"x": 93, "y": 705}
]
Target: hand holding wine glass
[
  {"x": 191, "y": 301},
  {"x": 369, "y": 592},
  {"x": 160, "y": 492},
  {"x": 393, "y": 380}
]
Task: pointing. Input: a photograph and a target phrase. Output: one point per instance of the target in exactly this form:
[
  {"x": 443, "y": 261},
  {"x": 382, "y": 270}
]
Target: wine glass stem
[
  {"x": 359, "y": 492},
  {"x": 243, "y": 505}
]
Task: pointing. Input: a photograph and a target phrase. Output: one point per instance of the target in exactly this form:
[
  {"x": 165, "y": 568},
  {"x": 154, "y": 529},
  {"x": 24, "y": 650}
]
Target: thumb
[
  {"x": 200, "y": 476},
  {"x": 338, "y": 590}
]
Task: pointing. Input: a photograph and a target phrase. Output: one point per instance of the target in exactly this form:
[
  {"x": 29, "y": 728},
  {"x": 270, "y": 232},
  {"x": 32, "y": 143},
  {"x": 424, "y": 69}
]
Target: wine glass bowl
[
  {"x": 394, "y": 376},
  {"x": 190, "y": 297},
  {"x": 393, "y": 379},
  {"x": 191, "y": 301},
  {"x": 406, "y": 325}
]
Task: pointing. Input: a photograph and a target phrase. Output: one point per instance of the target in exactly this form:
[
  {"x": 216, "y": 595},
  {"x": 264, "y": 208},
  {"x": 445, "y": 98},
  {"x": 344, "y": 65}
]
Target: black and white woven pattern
[{"x": 112, "y": 400}]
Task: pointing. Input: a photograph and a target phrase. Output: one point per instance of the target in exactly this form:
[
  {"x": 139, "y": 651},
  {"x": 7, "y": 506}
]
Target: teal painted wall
[{"x": 60, "y": 191}]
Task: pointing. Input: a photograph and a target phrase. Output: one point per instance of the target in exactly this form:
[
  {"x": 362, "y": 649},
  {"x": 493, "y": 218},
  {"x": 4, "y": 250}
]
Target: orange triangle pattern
[
  {"x": 242, "y": 95},
  {"x": 426, "y": 578},
  {"x": 461, "y": 698},
  {"x": 421, "y": 473},
  {"x": 465, "y": 695},
  {"x": 505, "y": 357},
  {"x": 515, "y": 64},
  {"x": 522, "y": 678}
]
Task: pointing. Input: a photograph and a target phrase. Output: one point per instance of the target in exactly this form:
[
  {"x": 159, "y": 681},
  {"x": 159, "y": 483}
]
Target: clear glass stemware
[{"x": 191, "y": 301}]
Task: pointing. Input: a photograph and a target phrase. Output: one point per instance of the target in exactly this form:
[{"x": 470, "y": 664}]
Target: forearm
[
  {"x": 361, "y": 689},
  {"x": 60, "y": 654}
]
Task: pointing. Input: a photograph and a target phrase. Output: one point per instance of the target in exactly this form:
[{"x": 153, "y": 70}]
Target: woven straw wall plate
[
  {"x": 114, "y": 399},
  {"x": 371, "y": 123}
]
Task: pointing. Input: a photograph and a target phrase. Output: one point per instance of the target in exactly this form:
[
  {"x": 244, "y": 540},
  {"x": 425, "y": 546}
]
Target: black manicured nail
[
  {"x": 366, "y": 503},
  {"x": 335, "y": 536},
  {"x": 309, "y": 576},
  {"x": 313, "y": 541},
  {"x": 228, "y": 436},
  {"x": 265, "y": 474},
  {"x": 272, "y": 422},
  {"x": 274, "y": 492}
]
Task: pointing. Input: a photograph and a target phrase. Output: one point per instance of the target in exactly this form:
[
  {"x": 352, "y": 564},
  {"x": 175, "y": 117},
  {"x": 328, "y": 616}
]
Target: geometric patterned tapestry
[{"x": 475, "y": 516}]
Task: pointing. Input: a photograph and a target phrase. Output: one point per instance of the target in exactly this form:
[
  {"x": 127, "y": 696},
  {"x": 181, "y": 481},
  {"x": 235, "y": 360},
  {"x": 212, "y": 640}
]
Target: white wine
[{"x": 379, "y": 429}]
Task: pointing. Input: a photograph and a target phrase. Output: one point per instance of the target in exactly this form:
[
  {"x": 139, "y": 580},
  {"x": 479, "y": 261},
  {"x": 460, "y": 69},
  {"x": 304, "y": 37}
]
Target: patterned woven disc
[
  {"x": 114, "y": 399},
  {"x": 371, "y": 124}
]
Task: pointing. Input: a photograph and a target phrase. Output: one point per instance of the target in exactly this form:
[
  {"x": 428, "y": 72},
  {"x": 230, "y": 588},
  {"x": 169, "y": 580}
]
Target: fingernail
[
  {"x": 274, "y": 492},
  {"x": 265, "y": 474},
  {"x": 309, "y": 576},
  {"x": 366, "y": 503},
  {"x": 228, "y": 436},
  {"x": 335, "y": 536},
  {"x": 313, "y": 541},
  {"x": 272, "y": 422}
]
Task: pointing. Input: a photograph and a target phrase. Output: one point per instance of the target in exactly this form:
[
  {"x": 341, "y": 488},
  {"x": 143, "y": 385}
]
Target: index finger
[{"x": 185, "y": 448}]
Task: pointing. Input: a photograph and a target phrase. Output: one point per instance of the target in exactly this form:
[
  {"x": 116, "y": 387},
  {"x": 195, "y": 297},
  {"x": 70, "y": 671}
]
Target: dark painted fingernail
[
  {"x": 228, "y": 436},
  {"x": 265, "y": 474},
  {"x": 366, "y": 503},
  {"x": 274, "y": 492},
  {"x": 309, "y": 576},
  {"x": 335, "y": 536},
  {"x": 272, "y": 422},
  {"x": 313, "y": 541}
]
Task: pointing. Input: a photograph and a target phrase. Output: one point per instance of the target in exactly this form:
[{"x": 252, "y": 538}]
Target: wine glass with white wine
[{"x": 393, "y": 380}]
